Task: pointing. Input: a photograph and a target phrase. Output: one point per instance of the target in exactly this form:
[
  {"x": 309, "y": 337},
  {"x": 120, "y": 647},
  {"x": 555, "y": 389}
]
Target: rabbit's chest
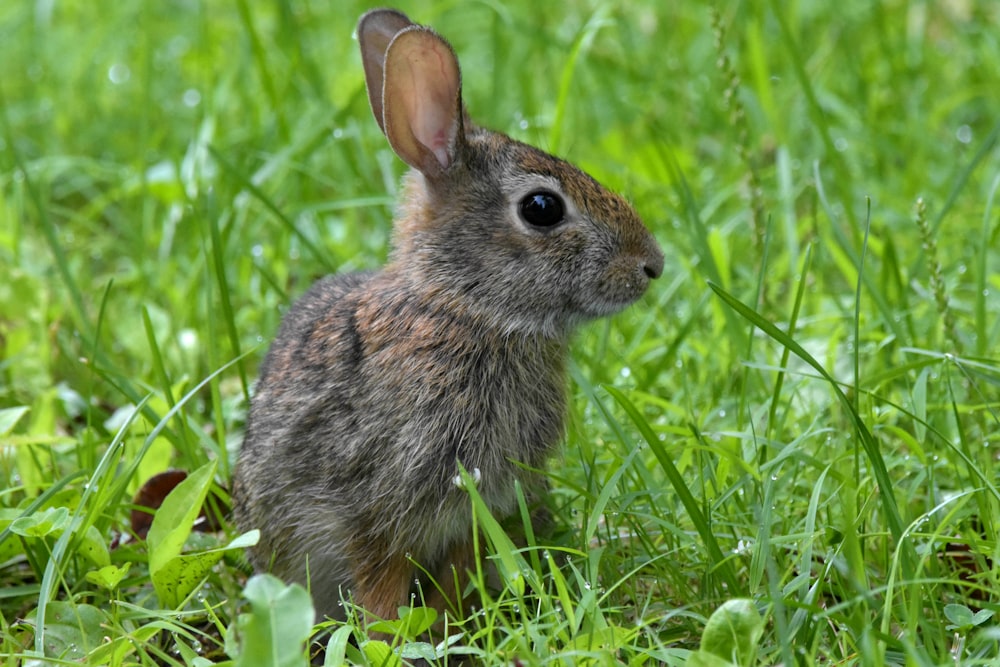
[{"x": 484, "y": 411}]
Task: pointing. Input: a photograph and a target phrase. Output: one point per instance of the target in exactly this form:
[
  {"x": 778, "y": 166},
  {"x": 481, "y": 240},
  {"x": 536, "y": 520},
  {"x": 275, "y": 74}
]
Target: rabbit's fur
[{"x": 380, "y": 383}]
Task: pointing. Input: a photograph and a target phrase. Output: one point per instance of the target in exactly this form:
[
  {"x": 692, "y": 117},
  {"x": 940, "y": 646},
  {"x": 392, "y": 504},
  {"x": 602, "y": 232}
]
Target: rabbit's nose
[{"x": 653, "y": 264}]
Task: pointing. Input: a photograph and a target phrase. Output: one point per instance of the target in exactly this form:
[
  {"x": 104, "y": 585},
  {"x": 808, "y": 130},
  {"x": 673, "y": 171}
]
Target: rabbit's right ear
[
  {"x": 376, "y": 29},
  {"x": 422, "y": 100}
]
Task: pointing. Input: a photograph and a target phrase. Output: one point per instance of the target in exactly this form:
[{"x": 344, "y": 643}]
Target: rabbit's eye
[{"x": 542, "y": 209}]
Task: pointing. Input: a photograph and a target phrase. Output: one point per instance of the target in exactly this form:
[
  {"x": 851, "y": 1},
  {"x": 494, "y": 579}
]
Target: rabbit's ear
[
  {"x": 422, "y": 100},
  {"x": 375, "y": 31}
]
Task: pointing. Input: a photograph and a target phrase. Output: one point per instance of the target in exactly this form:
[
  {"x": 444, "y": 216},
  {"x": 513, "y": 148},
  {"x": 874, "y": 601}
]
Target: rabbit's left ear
[
  {"x": 375, "y": 32},
  {"x": 422, "y": 100}
]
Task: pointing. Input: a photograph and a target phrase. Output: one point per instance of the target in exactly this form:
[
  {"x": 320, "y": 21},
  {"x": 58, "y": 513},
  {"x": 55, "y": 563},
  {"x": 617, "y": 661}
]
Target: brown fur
[{"x": 379, "y": 384}]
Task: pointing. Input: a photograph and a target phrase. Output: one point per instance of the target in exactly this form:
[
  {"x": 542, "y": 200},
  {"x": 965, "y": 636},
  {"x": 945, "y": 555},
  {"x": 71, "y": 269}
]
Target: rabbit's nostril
[{"x": 653, "y": 266}]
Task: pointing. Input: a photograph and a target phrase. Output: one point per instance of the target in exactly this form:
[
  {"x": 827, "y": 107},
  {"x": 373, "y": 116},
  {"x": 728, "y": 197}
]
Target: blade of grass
[
  {"x": 219, "y": 271},
  {"x": 158, "y": 366},
  {"x": 816, "y": 113},
  {"x": 61, "y": 547},
  {"x": 963, "y": 177},
  {"x": 115, "y": 492},
  {"x": 760, "y": 298},
  {"x": 45, "y": 222},
  {"x": 718, "y": 561},
  {"x": 793, "y": 320},
  {"x": 263, "y": 71},
  {"x": 982, "y": 336},
  {"x": 259, "y": 195},
  {"x": 874, "y": 292},
  {"x": 581, "y": 44},
  {"x": 893, "y": 517}
]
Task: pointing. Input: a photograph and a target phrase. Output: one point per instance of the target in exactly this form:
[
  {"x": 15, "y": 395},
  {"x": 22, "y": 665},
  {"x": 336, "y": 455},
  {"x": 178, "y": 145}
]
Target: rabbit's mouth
[
  {"x": 615, "y": 300},
  {"x": 621, "y": 285}
]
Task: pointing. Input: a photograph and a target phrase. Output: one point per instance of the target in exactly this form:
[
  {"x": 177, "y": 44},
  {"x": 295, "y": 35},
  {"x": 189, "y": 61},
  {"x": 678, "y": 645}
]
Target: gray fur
[{"x": 378, "y": 384}]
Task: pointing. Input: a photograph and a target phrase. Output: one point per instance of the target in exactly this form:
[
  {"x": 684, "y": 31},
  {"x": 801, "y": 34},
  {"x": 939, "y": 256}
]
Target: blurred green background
[{"x": 173, "y": 174}]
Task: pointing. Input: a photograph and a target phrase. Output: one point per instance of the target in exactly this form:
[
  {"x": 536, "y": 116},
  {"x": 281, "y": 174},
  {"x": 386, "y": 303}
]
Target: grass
[{"x": 802, "y": 412}]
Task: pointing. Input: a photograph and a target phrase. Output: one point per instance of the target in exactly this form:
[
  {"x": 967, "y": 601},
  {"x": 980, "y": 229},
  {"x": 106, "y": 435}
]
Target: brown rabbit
[{"x": 380, "y": 383}]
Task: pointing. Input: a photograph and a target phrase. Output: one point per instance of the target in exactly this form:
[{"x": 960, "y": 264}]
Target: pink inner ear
[
  {"x": 422, "y": 100},
  {"x": 433, "y": 118}
]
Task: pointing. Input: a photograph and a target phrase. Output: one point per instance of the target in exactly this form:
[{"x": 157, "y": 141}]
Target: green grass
[{"x": 804, "y": 411}]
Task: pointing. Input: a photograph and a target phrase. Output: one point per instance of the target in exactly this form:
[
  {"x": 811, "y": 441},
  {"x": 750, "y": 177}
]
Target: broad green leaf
[
  {"x": 962, "y": 617},
  {"x": 173, "y": 520},
  {"x": 247, "y": 539},
  {"x": 93, "y": 546},
  {"x": 9, "y": 515},
  {"x": 733, "y": 631},
  {"x": 611, "y": 637},
  {"x": 336, "y": 648},
  {"x": 421, "y": 651},
  {"x": 413, "y": 621},
  {"x": 9, "y": 418},
  {"x": 109, "y": 576},
  {"x": 982, "y": 616},
  {"x": 703, "y": 658},
  {"x": 273, "y": 633},
  {"x": 416, "y": 620},
  {"x": 176, "y": 578},
  {"x": 379, "y": 654},
  {"x": 72, "y": 630},
  {"x": 958, "y": 614},
  {"x": 40, "y": 524}
]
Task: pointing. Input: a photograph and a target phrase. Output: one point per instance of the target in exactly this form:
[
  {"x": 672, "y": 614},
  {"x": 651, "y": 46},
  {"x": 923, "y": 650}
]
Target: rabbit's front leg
[
  {"x": 452, "y": 576},
  {"x": 381, "y": 584}
]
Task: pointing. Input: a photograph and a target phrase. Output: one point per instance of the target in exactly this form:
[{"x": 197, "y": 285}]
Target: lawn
[{"x": 802, "y": 413}]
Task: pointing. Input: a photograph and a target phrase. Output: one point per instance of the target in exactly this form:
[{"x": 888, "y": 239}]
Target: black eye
[{"x": 542, "y": 209}]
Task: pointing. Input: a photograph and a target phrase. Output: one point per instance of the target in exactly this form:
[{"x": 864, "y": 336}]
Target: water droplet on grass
[
  {"x": 187, "y": 339},
  {"x": 119, "y": 73}
]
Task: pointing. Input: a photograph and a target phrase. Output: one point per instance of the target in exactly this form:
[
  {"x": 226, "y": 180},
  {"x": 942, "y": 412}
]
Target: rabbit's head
[{"x": 504, "y": 232}]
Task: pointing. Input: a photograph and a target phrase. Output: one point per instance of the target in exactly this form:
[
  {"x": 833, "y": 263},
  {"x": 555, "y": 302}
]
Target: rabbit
[{"x": 380, "y": 383}]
